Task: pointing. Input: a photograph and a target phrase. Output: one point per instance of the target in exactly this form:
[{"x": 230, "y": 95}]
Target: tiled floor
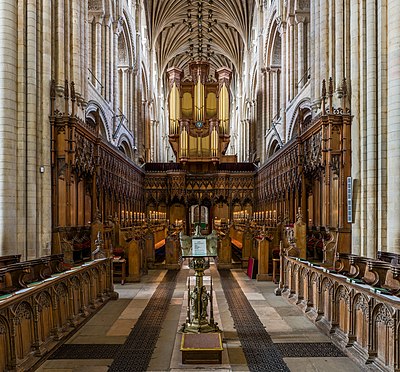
[{"x": 284, "y": 322}]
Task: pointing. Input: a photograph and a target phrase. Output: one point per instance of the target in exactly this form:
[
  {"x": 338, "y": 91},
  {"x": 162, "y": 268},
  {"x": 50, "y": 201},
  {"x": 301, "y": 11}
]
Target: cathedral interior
[{"x": 199, "y": 185}]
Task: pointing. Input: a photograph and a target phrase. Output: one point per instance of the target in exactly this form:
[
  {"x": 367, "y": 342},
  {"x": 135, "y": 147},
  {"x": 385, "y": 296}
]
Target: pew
[
  {"x": 8, "y": 260},
  {"x": 381, "y": 274},
  {"x": 363, "y": 320},
  {"x": 39, "y": 316},
  {"x": 74, "y": 242},
  {"x": 389, "y": 257},
  {"x": 19, "y": 275}
]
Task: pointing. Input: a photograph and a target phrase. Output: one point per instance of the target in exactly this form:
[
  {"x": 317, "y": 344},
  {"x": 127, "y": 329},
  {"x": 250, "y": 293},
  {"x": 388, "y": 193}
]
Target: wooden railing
[
  {"x": 34, "y": 319},
  {"x": 360, "y": 319}
]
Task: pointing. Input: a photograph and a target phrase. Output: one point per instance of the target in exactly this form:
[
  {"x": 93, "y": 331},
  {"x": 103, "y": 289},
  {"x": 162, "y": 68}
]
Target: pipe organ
[{"x": 199, "y": 113}]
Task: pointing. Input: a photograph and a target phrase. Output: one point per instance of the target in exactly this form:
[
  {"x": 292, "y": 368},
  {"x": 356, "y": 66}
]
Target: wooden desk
[{"x": 119, "y": 268}]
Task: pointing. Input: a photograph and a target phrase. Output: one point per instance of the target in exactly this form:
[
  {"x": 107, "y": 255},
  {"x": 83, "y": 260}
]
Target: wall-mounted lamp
[{"x": 41, "y": 169}]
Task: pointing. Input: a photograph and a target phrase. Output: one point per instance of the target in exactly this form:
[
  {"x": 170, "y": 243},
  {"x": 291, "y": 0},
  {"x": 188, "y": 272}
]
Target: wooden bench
[
  {"x": 236, "y": 243},
  {"x": 19, "y": 275},
  {"x": 380, "y": 274},
  {"x": 392, "y": 258},
  {"x": 8, "y": 260},
  {"x": 159, "y": 244}
]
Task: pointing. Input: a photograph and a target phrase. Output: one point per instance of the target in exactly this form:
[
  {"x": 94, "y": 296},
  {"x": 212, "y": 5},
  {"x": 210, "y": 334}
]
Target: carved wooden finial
[
  {"x": 53, "y": 89},
  {"x": 66, "y": 89},
  {"x": 330, "y": 87},
  {"x": 344, "y": 90},
  {"x": 73, "y": 96},
  {"x": 344, "y": 87},
  {"x": 324, "y": 89},
  {"x": 323, "y": 96}
]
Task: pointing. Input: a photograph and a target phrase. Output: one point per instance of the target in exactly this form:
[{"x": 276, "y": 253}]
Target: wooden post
[
  {"x": 133, "y": 256},
  {"x": 263, "y": 260},
  {"x": 225, "y": 253}
]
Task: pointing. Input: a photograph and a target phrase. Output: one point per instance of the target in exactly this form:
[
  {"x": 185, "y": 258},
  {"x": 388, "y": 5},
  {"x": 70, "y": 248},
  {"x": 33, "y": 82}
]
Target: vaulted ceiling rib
[{"x": 185, "y": 30}]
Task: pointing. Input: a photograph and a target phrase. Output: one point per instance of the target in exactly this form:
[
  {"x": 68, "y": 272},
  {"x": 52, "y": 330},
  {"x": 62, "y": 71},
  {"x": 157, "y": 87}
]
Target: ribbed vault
[{"x": 215, "y": 30}]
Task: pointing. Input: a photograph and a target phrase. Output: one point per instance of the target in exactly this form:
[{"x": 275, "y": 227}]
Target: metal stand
[{"x": 197, "y": 320}]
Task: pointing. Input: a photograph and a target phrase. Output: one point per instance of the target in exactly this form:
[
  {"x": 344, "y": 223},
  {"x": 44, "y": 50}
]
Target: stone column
[
  {"x": 371, "y": 130},
  {"x": 8, "y": 123},
  {"x": 316, "y": 75},
  {"x": 28, "y": 128},
  {"x": 290, "y": 59},
  {"x": 59, "y": 44},
  {"x": 323, "y": 41},
  {"x": 355, "y": 129},
  {"x": 393, "y": 126},
  {"x": 98, "y": 45},
  {"x": 300, "y": 51},
  {"x": 75, "y": 46},
  {"x": 44, "y": 223},
  {"x": 116, "y": 31},
  {"x": 339, "y": 46},
  {"x": 283, "y": 93},
  {"x": 382, "y": 138},
  {"x": 106, "y": 54},
  {"x": 265, "y": 114},
  {"x": 111, "y": 59},
  {"x": 85, "y": 46}
]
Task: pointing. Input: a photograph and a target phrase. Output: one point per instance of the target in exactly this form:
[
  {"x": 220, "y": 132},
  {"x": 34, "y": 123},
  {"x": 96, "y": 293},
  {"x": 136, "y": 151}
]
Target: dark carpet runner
[
  {"x": 136, "y": 353},
  {"x": 260, "y": 352}
]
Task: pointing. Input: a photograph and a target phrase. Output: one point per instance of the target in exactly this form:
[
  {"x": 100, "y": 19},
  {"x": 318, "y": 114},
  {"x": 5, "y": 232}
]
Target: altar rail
[
  {"x": 33, "y": 320},
  {"x": 359, "y": 319}
]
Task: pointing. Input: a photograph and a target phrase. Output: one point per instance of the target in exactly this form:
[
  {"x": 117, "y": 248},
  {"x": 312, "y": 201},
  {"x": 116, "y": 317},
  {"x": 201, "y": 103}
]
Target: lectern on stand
[{"x": 201, "y": 338}]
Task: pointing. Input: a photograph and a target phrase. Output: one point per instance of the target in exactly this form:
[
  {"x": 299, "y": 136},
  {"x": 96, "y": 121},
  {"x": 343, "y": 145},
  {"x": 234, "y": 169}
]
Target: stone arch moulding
[
  {"x": 127, "y": 144},
  {"x": 302, "y": 113},
  {"x": 272, "y": 146},
  {"x": 95, "y": 113}
]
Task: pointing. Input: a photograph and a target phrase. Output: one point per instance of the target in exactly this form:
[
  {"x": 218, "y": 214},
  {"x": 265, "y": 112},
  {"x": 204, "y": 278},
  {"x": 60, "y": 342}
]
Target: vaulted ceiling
[{"x": 184, "y": 30}]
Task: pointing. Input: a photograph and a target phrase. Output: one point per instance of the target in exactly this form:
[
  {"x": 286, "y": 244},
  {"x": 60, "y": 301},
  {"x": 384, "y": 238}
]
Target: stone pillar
[
  {"x": 8, "y": 123},
  {"x": 290, "y": 58},
  {"x": 339, "y": 46},
  {"x": 27, "y": 132},
  {"x": 393, "y": 135},
  {"x": 283, "y": 92},
  {"x": 263, "y": 111},
  {"x": 371, "y": 127},
  {"x": 59, "y": 44},
  {"x": 98, "y": 45},
  {"x": 382, "y": 138},
  {"x": 75, "y": 47},
  {"x": 324, "y": 41},
  {"x": 116, "y": 31},
  {"x": 111, "y": 59},
  {"x": 302, "y": 79},
  {"x": 362, "y": 45},
  {"x": 316, "y": 75},
  {"x": 312, "y": 46},
  {"x": 85, "y": 42}
]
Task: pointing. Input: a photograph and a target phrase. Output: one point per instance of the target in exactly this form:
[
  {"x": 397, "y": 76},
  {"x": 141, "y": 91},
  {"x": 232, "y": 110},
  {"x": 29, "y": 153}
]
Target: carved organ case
[{"x": 199, "y": 113}]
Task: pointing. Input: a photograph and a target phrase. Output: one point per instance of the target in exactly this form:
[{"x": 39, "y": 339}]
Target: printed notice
[{"x": 199, "y": 247}]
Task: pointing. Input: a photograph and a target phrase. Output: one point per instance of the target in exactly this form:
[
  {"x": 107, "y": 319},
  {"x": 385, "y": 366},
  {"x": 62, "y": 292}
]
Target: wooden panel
[{"x": 22, "y": 339}]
